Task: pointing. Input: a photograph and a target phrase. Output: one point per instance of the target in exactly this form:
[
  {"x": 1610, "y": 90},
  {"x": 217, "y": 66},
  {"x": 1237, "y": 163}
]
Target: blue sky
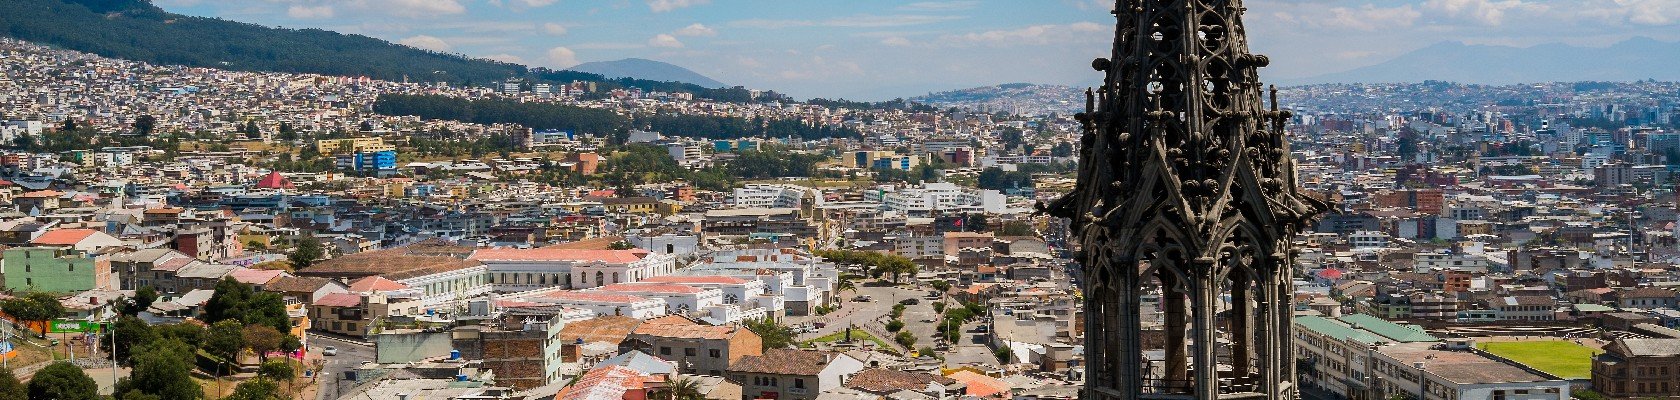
[{"x": 872, "y": 50}]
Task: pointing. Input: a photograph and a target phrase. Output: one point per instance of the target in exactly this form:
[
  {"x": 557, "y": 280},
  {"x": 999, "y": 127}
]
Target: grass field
[{"x": 1557, "y": 357}]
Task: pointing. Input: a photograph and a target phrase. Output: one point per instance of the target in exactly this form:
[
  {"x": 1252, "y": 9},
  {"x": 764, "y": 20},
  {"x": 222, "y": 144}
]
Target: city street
[
  {"x": 919, "y": 319},
  {"x": 331, "y": 384}
]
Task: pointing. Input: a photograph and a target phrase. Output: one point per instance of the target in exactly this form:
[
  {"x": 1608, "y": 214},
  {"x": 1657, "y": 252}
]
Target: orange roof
[
  {"x": 650, "y": 288},
  {"x": 687, "y": 331},
  {"x": 549, "y": 254},
  {"x": 42, "y": 194},
  {"x": 981, "y": 385},
  {"x": 255, "y": 276},
  {"x": 714, "y": 279},
  {"x": 64, "y": 237},
  {"x": 593, "y": 296},
  {"x": 375, "y": 284},
  {"x": 606, "y": 383}
]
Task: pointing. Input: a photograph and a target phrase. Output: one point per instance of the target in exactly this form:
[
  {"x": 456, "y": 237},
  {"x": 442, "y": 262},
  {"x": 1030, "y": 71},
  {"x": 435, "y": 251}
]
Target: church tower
[{"x": 1184, "y": 211}]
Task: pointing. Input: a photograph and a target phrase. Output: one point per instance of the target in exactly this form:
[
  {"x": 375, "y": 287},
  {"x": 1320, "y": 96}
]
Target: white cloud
[
  {"x": 696, "y": 30},
  {"x": 1032, "y": 35},
  {"x": 536, "y": 3},
  {"x": 561, "y": 57},
  {"x": 669, "y": 5},
  {"x": 412, "y": 8},
  {"x": 426, "y": 42},
  {"x": 896, "y": 41},
  {"x": 554, "y": 29},
  {"x": 1638, "y": 12},
  {"x": 940, "y": 5},
  {"x": 1485, "y": 12},
  {"x": 1366, "y": 18},
  {"x": 853, "y": 21},
  {"x": 665, "y": 40},
  {"x": 300, "y": 11}
]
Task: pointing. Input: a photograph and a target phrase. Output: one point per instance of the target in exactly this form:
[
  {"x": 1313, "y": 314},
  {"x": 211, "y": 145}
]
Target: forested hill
[{"x": 137, "y": 30}]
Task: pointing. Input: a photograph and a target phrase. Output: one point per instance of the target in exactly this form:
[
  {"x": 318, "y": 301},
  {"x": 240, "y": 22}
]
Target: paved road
[
  {"x": 350, "y": 354},
  {"x": 919, "y": 319}
]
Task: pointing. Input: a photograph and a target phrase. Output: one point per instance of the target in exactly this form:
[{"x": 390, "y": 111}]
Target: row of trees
[
  {"x": 878, "y": 263},
  {"x": 500, "y": 111}
]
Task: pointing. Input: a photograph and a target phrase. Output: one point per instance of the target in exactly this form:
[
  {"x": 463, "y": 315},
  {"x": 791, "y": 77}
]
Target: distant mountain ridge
[
  {"x": 1629, "y": 60},
  {"x": 1016, "y": 98},
  {"x": 140, "y": 31},
  {"x": 640, "y": 68}
]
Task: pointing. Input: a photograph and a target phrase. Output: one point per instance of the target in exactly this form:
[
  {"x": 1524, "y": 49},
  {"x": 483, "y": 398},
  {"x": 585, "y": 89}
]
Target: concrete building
[
  {"x": 57, "y": 270},
  {"x": 792, "y": 374},
  {"x": 698, "y": 349}
]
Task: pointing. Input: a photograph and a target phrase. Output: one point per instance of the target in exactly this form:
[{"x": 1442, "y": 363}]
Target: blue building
[{"x": 383, "y": 160}]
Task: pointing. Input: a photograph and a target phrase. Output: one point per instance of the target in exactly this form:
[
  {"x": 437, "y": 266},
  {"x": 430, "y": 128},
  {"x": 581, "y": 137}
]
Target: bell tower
[{"x": 1184, "y": 211}]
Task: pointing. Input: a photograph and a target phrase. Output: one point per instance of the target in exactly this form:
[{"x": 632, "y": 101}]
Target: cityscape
[{"x": 193, "y": 206}]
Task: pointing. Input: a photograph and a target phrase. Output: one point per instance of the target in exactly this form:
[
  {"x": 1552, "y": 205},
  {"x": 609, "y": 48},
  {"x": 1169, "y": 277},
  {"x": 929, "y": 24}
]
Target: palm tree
[{"x": 682, "y": 388}]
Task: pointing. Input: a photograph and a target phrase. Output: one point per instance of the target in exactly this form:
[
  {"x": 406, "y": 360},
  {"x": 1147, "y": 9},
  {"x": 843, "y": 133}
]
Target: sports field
[{"x": 1559, "y": 357}]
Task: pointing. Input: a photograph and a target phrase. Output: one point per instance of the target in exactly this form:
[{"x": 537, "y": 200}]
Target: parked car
[
  {"x": 329, "y": 351},
  {"x": 863, "y": 298},
  {"x": 909, "y": 302}
]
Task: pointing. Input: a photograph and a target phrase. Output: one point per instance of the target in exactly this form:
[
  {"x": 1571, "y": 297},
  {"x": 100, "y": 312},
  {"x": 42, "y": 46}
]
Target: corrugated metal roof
[{"x": 1395, "y": 332}]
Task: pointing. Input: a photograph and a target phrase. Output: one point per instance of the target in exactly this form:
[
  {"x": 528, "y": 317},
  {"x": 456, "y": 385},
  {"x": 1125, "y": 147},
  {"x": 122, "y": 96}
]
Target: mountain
[
  {"x": 1016, "y": 98},
  {"x": 137, "y": 30},
  {"x": 1633, "y": 59},
  {"x": 646, "y": 69}
]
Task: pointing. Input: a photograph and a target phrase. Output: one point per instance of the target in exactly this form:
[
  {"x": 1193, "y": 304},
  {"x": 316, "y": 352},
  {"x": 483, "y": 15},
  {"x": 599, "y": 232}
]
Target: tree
[
  {"x": 1016, "y": 228},
  {"x": 939, "y": 306},
  {"x": 905, "y": 338},
  {"x": 1062, "y": 149},
  {"x": 10, "y": 388},
  {"x": 36, "y": 306},
  {"x": 1011, "y": 137},
  {"x": 62, "y": 381},
  {"x": 772, "y": 334},
  {"x": 144, "y": 124},
  {"x": 307, "y": 252},
  {"x": 224, "y": 339},
  {"x": 277, "y": 370},
  {"x": 227, "y": 301},
  {"x": 682, "y": 388},
  {"x": 1003, "y": 354},
  {"x": 130, "y": 332},
  {"x": 256, "y": 389},
  {"x": 262, "y": 339},
  {"x": 163, "y": 369},
  {"x": 620, "y": 245},
  {"x": 143, "y": 299},
  {"x": 895, "y": 325},
  {"x": 69, "y": 125},
  {"x": 942, "y": 286}
]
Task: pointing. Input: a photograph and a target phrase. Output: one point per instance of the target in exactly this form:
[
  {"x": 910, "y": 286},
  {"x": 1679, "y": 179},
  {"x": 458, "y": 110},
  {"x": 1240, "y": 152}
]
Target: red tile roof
[
  {"x": 593, "y": 296},
  {"x": 375, "y": 284},
  {"x": 64, "y": 237},
  {"x": 650, "y": 288},
  {"x": 786, "y": 362},
  {"x": 550, "y": 254},
  {"x": 274, "y": 181},
  {"x": 339, "y": 300},
  {"x": 713, "y": 279},
  {"x": 255, "y": 276}
]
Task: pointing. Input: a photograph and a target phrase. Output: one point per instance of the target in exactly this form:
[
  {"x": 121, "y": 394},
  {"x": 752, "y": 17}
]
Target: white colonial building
[{"x": 513, "y": 270}]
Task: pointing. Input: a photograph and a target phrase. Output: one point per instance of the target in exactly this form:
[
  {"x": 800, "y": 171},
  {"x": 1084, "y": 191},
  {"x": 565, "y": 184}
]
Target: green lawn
[{"x": 1558, "y": 357}]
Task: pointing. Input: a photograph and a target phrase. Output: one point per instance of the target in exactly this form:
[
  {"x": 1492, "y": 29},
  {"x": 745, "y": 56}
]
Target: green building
[{"x": 58, "y": 270}]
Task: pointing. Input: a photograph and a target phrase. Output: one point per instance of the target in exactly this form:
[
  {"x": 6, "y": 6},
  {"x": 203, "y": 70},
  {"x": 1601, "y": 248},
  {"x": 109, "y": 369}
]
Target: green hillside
[{"x": 137, "y": 30}]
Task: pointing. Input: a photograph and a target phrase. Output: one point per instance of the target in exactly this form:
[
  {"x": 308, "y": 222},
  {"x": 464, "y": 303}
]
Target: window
[
  {"x": 715, "y": 353},
  {"x": 688, "y": 352},
  {"x": 799, "y": 383},
  {"x": 72, "y": 267},
  {"x": 665, "y": 351}
]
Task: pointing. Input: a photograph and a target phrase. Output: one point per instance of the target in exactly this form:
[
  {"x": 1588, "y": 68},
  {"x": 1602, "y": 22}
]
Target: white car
[{"x": 329, "y": 351}]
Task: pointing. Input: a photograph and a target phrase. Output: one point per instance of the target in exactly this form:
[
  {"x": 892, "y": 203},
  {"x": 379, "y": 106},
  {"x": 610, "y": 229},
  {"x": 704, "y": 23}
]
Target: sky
[{"x": 876, "y": 50}]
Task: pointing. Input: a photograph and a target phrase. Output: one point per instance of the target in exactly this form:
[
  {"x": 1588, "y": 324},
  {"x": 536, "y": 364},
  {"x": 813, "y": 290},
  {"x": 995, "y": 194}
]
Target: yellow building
[{"x": 352, "y": 145}]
